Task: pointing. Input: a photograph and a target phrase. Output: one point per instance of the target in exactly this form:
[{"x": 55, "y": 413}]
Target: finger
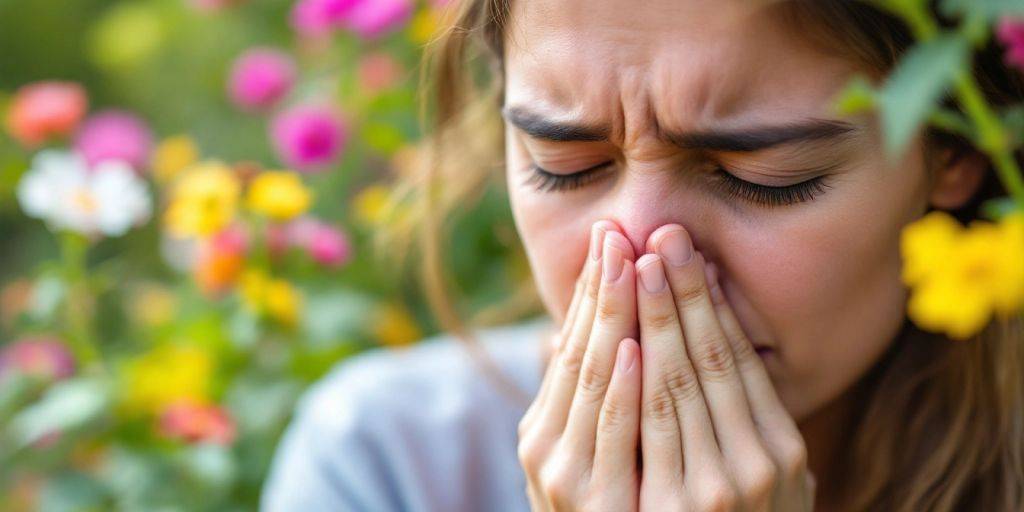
[
  {"x": 618, "y": 426},
  {"x": 615, "y": 320},
  {"x": 712, "y": 357},
  {"x": 781, "y": 436},
  {"x": 558, "y": 341},
  {"x": 567, "y": 365},
  {"x": 672, "y": 404}
]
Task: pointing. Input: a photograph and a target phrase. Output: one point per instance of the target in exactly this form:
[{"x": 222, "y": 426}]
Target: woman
[{"x": 736, "y": 338}]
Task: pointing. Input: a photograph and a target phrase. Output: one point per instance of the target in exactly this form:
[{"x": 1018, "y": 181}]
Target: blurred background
[{"x": 189, "y": 193}]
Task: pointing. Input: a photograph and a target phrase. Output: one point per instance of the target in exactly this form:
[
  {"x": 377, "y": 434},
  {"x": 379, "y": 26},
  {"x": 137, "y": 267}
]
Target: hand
[
  {"x": 578, "y": 440},
  {"x": 714, "y": 433}
]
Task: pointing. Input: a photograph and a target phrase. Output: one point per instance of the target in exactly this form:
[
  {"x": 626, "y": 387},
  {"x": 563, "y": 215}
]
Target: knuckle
[
  {"x": 714, "y": 358},
  {"x": 558, "y": 483},
  {"x": 660, "y": 408},
  {"x": 593, "y": 379},
  {"x": 614, "y": 415},
  {"x": 743, "y": 349},
  {"x": 682, "y": 383},
  {"x": 759, "y": 478},
  {"x": 572, "y": 359},
  {"x": 689, "y": 293},
  {"x": 607, "y": 311},
  {"x": 716, "y": 496},
  {"x": 592, "y": 291},
  {"x": 531, "y": 456},
  {"x": 661, "y": 320},
  {"x": 793, "y": 460}
]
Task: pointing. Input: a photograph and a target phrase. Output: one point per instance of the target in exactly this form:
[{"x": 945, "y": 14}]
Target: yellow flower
[
  {"x": 203, "y": 201},
  {"x": 152, "y": 305},
  {"x": 276, "y": 298},
  {"x": 166, "y": 375},
  {"x": 370, "y": 206},
  {"x": 394, "y": 326},
  {"x": 172, "y": 156},
  {"x": 424, "y": 25},
  {"x": 962, "y": 276},
  {"x": 280, "y": 195}
]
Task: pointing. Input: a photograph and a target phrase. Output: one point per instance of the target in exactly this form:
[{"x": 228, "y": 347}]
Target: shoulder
[{"x": 360, "y": 433}]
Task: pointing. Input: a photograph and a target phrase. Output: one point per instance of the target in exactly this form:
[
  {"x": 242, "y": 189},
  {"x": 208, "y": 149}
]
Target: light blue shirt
[{"x": 416, "y": 429}]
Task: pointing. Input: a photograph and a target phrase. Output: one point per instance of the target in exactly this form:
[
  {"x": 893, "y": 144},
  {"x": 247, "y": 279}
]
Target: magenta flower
[
  {"x": 308, "y": 138},
  {"x": 38, "y": 357},
  {"x": 373, "y": 18},
  {"x": 324, "y": 243},
  {"x": 115, "y": 135},
  {"x": 260, "y": 77},
  {"x": 319, "y": 17},
  {"x": 1011, "y": 33}
]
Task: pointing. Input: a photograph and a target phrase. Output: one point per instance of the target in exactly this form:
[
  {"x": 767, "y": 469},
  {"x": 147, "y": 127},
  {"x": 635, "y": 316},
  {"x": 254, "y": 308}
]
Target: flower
[
  {"x": 152, "y": 304},
  {"x": 371, "y": 205},
  {"x": 393, "y": 326},
  {"x": 45, "y": 358},
  {"x": 962, "y": 276},
  {"x": 324, "y": 243},
  {"x": 126, "y": 35},
  {"x": 43, "y": 110},
  {"x": 60, "y": 190},
  {"x": 313, "y": 18},
  {"x": 371, "y": 19},
  {"x": 1011, "y": 32},
  {"x": 308, "y": 138},
  {"x": 173, "y": 155},
  {"x": 166, "y": 375},
  {"x": 203, "y": 201},
  {"x": 378, "y": 71},
  {"x": 115, "y": 134},
  {"x": 276, "y": 298},
  {"x": 424, "y": 25},
  {"x": 220, "y": 261},
  {"x": 192, "y": 423},
  {"x": 260, "y": 77},
  {"x": 279, "y": 195}
]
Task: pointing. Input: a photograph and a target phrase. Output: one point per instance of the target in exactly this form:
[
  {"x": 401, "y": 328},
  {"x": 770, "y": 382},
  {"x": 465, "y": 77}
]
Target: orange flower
[
  {"x": 193, "y": 422},
  {"x": 42, "y": 110}
]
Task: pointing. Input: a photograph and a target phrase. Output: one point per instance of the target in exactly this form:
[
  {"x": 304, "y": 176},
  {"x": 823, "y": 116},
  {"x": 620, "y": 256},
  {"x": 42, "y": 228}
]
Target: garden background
[{"x": 189, "y": 192}]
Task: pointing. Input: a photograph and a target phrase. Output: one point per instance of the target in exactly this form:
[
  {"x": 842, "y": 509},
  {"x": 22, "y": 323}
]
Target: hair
[{"x": 938, "y": 424}]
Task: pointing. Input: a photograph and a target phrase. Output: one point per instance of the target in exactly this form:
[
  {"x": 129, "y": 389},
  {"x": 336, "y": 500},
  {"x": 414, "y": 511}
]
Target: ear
[{"x": 957, "y": 178}]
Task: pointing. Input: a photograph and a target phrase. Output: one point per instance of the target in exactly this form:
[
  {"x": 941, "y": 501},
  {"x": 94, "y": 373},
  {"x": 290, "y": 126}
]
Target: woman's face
[{"x": 669, "y": 103}]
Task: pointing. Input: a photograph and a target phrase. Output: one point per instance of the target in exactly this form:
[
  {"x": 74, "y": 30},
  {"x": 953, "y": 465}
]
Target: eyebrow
[{"x": 732, "y": 140}]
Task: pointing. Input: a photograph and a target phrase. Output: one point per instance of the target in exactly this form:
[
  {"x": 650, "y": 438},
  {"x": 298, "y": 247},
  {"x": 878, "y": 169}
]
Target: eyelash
[{"x": 546, "y": 181}]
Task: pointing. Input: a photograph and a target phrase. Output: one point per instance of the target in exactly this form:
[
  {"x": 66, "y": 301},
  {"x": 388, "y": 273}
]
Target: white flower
[{"x": 61, "y": 190}]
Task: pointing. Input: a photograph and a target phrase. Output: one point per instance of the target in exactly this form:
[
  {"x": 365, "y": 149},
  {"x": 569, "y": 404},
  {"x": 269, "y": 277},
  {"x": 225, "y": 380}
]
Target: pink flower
[
  {"x": 374, "y": 18},
  {"x": 378, "y": 71},
  {"x": 115, "y": 135},
  {"x": 308, "y": 138},
  {"x": 192, "y": 422},
  {"x": 43, "y": 110},
  {"x": 319, "y": 17},
  {"x": 260, "y": 77},
  {"x": 324, "y": 243},
  {"x": 1011, "y": 33},
  {"x": 45, "y": 358}
]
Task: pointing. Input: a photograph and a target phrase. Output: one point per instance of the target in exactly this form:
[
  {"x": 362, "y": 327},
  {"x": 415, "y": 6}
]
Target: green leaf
[
  {"x": 916, "y": 86},
  {"x": 990, "y": 9},
  {"x": 858, "y": 97},
  {"x": 1013, "y": 119},
  {"x": 995, "y": 209}
]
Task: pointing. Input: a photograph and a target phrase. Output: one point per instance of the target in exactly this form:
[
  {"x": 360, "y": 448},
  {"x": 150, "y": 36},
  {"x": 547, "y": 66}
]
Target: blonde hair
[{"x": 939, "y": 425}]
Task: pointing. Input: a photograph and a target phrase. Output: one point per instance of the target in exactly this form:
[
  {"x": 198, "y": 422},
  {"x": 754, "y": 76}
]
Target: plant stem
[
  {"x": 991, "y": 136},
  {"x": 79, "y": 326}
]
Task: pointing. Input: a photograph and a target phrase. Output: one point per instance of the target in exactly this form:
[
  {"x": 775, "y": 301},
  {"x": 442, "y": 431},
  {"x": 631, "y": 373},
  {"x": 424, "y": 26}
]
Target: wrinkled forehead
[{"x": 680, "y": 64}]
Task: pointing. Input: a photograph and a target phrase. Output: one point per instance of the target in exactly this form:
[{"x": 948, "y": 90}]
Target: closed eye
[{"x": 547, "y": 181}]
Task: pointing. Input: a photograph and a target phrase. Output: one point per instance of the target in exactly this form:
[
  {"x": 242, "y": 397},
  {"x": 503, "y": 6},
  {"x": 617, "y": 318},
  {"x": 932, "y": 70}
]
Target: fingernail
[
  {"x": 596, "y": 241},
  {"x": 675, "y": 247},
  {"x": 612, "y": 263},
  {"x": 651, "y": 274},
  {"x": 625, "y": 357}
]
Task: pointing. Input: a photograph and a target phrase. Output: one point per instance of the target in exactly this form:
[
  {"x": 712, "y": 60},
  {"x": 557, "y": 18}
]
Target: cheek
[{"x": 555, "y": 234}]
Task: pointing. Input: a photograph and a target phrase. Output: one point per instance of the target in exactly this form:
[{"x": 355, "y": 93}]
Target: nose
[{"x": 640, "y": 206}]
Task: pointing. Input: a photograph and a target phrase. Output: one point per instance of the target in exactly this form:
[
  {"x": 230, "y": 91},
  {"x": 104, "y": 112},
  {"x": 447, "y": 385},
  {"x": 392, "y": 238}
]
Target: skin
[{"x": 817, "y": 280}]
